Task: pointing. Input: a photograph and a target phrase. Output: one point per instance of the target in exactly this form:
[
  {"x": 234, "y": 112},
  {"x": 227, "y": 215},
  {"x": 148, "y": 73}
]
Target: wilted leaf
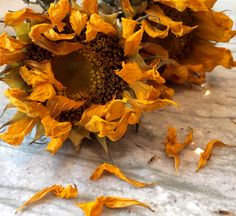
[
  {"x": 207, "y": 152},
  {"x": 172, "y": 147},
  {"x": 118, "y": 173},
  {"x": 59, "y": 191},
  {"x": 94, "y": 208}
]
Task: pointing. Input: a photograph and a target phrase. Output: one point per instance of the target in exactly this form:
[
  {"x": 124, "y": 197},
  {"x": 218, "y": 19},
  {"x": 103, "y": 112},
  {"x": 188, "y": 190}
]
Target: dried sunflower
[
  {"x": 73, "y": 72},
  {"x": 184, "y": 34}
]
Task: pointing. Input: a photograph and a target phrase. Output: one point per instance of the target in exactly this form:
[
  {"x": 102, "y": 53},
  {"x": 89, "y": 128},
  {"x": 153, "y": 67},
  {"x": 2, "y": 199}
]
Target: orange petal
[
  {"x": 207, "y": 153},
  {"x": 117, "y": 172},
  {"x": 130, "y": 72},
  {"x": 11, "y": 44},
  {"x": 154, "y": 75},
  {"x": 132, "y": 43},
  {"x": 90, "y": 6},
  {"x": 173, "y": 148},
  {"x": 54, "y": 36},
  {"x": 59, "y": 104},
  {"x": 55, "y": 144},
  {"x": 57, "y": 12},
  {"x": 7, "y": 57},
  {"x": 17, "y": 131},
  {"x": 128, "y": 27},
  {"x": 59, "y": 191},
  {"x": 42, "y": 92},
  {"x": 62, "y": 48},
  {"x": 18, "y": 17},
  {"x": 114, "y": 109},
  {"x": 94, "y": 208},
  {"x": 127, "y": 8},
  {"x": 153, "y": 31},
  {"x": 78, "y": 21}
]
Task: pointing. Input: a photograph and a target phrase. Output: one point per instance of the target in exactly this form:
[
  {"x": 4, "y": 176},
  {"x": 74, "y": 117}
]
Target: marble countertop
[{"x": 28, "y": 168}]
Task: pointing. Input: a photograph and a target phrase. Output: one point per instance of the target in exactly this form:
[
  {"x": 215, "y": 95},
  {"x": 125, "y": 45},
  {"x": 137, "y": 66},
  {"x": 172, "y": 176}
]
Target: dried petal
[
  {"x": 78, "y": 21},
  {"x": 54, "y": 36},
  {"x": 128, "y": 27},
  {"x": 59, "y": 191},
  {"x": 90, "y": 6},
  {"x": 94, "y": 208},
  {"x": 97, "y": 174}
]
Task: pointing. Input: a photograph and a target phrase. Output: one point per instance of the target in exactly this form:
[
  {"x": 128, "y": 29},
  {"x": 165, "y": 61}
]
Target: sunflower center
[
  {"x": 178, "y": 47},
  {"x": 88, "y": 74}
]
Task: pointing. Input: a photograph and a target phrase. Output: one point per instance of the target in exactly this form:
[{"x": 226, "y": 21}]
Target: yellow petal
[
  {"x": 90, "y": 6},
  {"x": 173, "y": 148},
  {"x": 18, "y": 17},
  {"x": 214, "y": 26},
  {"x": 10, "y": 43},
  {"x": 17, "y": 131},
  {"x": 127, "y": 8},
  {"x": 132, "y": 43},
  {"x": 97, "y": 24},
  {"x": 59, "y": 104},
  {"x": 154, "y": 75},
  {"x": 57, "y": 12},
  {"x": 54, "y": 36},
  {"x": 207, "y": 153},
  {"x": 42, "y": 92},
  {"x": 78, "y": 21},
  {"x": 59, "y": 191},
  {"x": 114, "y": 109},
  {"x": 97, "y": 174},
  {"x": 55, "y": 144},
  {"x": 7, "y": 57},
  {"x": 156, "y": 50},
  {"x": 94, "y": 208},
  {"x": 153, "y": 31},
  {"x": 130, "y": 72},
  {"x": 128, "y": 27},
  {"x": 57, "y": 48}
]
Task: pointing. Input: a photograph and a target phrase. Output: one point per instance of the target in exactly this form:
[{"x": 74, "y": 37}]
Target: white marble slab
[{"x": 28, "y": 168}]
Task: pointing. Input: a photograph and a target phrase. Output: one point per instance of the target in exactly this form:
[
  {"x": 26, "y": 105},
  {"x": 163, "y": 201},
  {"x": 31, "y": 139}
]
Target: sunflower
[
  {"x": 73, "y": 72},
  {"x": 184, "y": 34}
]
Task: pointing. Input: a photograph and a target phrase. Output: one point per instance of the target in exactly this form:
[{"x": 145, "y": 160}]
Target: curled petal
[
  {"x": 115, "y": 109},
  {"x": 127, "y": 8},
  {"x": 55, "y": 144},
  {"x": 7, "y": 57},
  {"x": 94, "y": 208},
  {"x": 97, "y": 174},
  {"x": 59, "y": 104},
  {"x": 18, "y": 17},
  {"x": 132, "y": 43},
  {"x": 128, "y": 27},
  {"x": 97, "y": 24},
  {"x": 90, "y": 6},
  {"x": 62, "y": 48},
  {"x": 130, "y": 72},
  {"x": 153, "y": 31},
  {"x": 54, "y": 36},
  {"x": 78, "y": 21},
  {"x": 57, "y": 12},
  {"x": 59, "y": 191},
  {"x": 18, "y": 130},
  {"x": 153, "y": 74}
]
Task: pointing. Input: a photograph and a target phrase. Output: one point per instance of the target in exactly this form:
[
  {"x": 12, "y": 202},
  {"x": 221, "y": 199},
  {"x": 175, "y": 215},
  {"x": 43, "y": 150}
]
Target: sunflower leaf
[{"x": 77, "y": 134}]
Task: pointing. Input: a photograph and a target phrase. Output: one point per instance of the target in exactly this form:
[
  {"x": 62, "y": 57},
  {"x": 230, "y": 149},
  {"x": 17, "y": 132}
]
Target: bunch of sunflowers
[{"x": 90, "y": 70}]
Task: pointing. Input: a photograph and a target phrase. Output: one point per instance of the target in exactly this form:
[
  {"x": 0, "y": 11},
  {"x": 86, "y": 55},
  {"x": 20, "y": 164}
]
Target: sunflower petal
[
  {"x": 54, "y": 36},
  {"x": 127, "y": 8},
  {"x": 90, "y": 6},
  {"x": 18, "y": 17},
  {"x": 115, "y": 109},
  {"x": 154, "y": 75},
  {"x": 59, "y": 191},
  {"x": 132, "y": 42},
  {"x": 94, "y": 208},
  {"x": 128, "y": 27},
  {"x": 7, "y": 57},
  {"x": 18, "y": 130},
  {"x": 11, "y": 44},
  {"x": 97, "y": 174},
  {"x": 57, "y": 12},
  {"x": 153, "y": 31},
  {"x": 130, "y": 72},
  {"x": 78, "y": 21},
  {"x": 207, "y": 153}
]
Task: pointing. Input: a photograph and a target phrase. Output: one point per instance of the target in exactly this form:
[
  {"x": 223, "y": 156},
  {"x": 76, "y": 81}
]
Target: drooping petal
[
  {"x": 127, "y": 8},
  {"x": 94, "y": 208},
  {"x": 57, "y": 12},
  {"x": 54, "y": 36},
  {"x": 132, "y": 42},
  {"x": 207, "y": 153},
  {"x": 61, "y": 48},
  {"x": 59, "y": 104},
  {"x": 55, "y": 144},
  {"x": 18, "y": 17},
  {"x": 154, "y": 75},
  {"x": 42, "y": 92},
  {"x": 128, "y": 27},
  {"x": 7, "y": 57},
  {"x": 18, "y": 130},
  {"x": 90, "y": 6},
  {"x": 59, "y": 191},
  {"x": 97, "y": 174},
  {"x": 78, "y": 21},
  {"x": 114, "y": 109},
  {"x": 130, "y": 72}
]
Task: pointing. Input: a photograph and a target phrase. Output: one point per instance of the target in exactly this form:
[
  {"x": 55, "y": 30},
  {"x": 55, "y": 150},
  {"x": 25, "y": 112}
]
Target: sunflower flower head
[
  {"x": 73, "y": 72},
  {"x": 187, "y": 32}
]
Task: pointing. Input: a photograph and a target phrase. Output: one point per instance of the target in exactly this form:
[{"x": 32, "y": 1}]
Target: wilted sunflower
[
  {"x": 184, "y": 34},
  {"x": 73, "y": 72}
]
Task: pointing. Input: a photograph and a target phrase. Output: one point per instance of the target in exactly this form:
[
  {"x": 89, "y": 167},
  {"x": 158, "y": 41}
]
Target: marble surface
[{"x": 210, "y": 110}]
